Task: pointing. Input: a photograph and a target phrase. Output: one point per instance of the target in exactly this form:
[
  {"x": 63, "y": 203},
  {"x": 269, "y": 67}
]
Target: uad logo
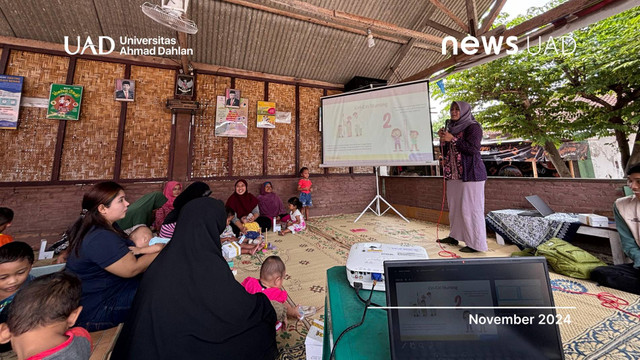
[{"x": 105, "y": 46}]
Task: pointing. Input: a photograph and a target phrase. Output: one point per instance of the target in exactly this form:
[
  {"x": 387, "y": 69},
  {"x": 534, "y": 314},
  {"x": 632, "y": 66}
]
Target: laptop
[
  {"x": 541, "y": 207},
  {"x": 469, "y": 294}
]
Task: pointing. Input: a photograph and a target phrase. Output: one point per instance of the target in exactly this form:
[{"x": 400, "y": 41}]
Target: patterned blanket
[{"x": 531, "y": 231}]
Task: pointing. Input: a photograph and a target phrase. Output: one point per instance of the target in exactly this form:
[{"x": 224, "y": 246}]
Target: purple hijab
[
  {"x": 466, "y": 119},
  {"x": 270, "y": 204}
]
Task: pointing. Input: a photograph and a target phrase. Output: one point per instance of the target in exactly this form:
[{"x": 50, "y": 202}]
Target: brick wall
[
  {"x": 45, "y": 212},
  {"x": 562, "y": 195}
]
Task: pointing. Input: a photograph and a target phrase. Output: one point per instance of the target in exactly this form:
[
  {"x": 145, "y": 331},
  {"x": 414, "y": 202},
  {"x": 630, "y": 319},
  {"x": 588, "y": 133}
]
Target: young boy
[
  {"x": 16, "y": 259},
  {"x": 272, "y": 273},
  {"x": 253, "y": 229},
  {"x": 6, "y": 217},
  {"x": 41, "y": 316},
  {"x": 304, "y": 186},
  {"x": 230, "y": 246},
  {"x": 141, "y": 236}
]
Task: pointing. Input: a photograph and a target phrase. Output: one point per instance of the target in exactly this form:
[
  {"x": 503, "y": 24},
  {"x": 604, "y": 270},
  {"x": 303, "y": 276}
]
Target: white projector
[{"x": 365, "y": 261}]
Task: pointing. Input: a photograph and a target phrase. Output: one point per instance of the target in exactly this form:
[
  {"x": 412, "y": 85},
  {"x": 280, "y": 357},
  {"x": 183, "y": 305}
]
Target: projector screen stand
[{"x": 377, "y": 201}]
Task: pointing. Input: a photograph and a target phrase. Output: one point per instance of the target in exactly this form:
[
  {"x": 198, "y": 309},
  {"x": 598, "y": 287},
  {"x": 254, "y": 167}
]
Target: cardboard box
[
  {"x": 313, "y": 342},
  {"x": 594, "y": 220}
]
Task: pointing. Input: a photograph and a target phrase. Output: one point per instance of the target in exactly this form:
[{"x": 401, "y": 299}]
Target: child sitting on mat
[
  {"x": 296, "y": 223},
  {"x": 230, "y": 245},
  {"x": 272, "y": 273},
  {"x": 253, "y": 229}
]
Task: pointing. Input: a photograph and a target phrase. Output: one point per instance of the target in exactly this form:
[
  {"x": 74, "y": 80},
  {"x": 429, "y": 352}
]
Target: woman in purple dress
[{"x": 465, "y": 174}]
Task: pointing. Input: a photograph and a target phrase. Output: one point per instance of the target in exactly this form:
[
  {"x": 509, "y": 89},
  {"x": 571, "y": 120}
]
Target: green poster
[{"x": 64, "y": 102}]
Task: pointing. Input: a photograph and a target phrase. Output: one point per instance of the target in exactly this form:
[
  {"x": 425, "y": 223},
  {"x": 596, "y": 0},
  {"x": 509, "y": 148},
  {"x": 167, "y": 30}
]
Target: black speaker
[{"x": 359, "y": 83}]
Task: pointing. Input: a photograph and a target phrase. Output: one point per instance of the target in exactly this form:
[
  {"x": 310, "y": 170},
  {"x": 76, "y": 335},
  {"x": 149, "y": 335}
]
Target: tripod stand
[{"x": 377, "y": 199}]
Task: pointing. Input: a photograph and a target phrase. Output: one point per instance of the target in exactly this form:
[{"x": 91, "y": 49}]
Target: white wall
[{"x": 606, "y": 157}]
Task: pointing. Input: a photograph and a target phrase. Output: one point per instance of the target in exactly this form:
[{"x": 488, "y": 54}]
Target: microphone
[{"x": 447, "y": 123}]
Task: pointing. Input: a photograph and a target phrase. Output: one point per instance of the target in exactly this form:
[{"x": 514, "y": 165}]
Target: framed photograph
[
  {"x": 125, "y": 90},
  {"x": 232, "y": 98},
  {"x": 64, "y": 102},
  {"x": 184, "y": 85},
  {"x": 231, "y": 122}
]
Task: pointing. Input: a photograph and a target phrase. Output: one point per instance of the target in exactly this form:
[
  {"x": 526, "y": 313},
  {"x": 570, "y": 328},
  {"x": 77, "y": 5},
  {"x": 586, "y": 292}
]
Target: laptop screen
[
  {"x": 470, "y": 317},
  {"x": 540, "y": 205}
]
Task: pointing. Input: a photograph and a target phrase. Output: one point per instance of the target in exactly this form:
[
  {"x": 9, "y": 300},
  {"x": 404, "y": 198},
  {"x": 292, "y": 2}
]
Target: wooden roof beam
[
  {"x": 360, "y": 30},
  {"x": 556, "y": 13},
  {"x": 404, "y": 50},
  {"x": 351, "y": 19},
  {"x": 184, "y": 60},
  {"x": 491, "y": 18},
  {"x": 445, "y": 29},
  {"x": 451, "y": 15},
  {"x": 560, "y": 11},
  {"x": 472, "y": 16}
]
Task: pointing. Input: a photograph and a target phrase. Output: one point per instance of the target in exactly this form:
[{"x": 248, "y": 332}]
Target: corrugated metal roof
[{"x": 240, "y": 37}]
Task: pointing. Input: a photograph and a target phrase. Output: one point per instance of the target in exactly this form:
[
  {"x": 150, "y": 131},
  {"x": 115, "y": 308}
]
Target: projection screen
[{"x": 383, "y": 126}]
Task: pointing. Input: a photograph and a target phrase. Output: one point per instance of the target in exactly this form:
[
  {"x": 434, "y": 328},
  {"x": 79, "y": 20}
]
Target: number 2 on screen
[{"x": 386, "y": 119}]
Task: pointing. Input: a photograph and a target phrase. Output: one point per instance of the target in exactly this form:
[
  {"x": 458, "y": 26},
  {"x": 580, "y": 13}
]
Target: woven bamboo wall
[
  {"x": 89, "y": 150},
  {"x": 310, "y": 142},
  {"x": 210, "y": 153},
  {"x": 27, "y": 153},
  {"x": 248, "y": 152},
  {"x": 147, "y": 134},
  {"x": 281, "y": 157}
]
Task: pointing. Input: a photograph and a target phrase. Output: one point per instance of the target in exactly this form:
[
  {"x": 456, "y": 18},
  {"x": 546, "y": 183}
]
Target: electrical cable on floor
[
  {"x": 607, "y": 300},
  {"x": 367, "y": 304}
]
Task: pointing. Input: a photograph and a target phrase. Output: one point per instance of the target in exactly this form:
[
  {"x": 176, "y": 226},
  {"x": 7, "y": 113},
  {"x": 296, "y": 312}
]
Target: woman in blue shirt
[{"x": 99, "y": 255}]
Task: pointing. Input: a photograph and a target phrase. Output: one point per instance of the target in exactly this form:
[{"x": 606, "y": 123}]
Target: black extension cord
[
  {"x": 358, "y": 287},
  {"x": 367, "y": 304}
]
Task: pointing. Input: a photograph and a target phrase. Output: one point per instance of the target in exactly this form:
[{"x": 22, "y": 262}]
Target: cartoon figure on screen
[
  {"x": 413, "y": 135},
  {"x": 465, "y": 317},
  {"x": 348, "y": 125},
  {"x": 357, "y": 125},
  {"x": 483, "y": 327},
  {"x": 396, "y": 134}
]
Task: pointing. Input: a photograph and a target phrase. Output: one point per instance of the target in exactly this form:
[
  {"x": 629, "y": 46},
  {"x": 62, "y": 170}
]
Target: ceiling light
[{"x": 370, "y": 41}]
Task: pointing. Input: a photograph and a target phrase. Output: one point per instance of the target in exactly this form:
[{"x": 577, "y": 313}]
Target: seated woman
[
  {"x": 245, "y": 205},
  {"x": 270, "y": 206},
  {"x": 196, "y": 190},
  {"x": 171, "y": 190},
  {"x": 190, "y": 306},
  {"x": 99, "y": 255},
  {"x": 141, "y": 211},
  {"x": 625, "y": 277}
]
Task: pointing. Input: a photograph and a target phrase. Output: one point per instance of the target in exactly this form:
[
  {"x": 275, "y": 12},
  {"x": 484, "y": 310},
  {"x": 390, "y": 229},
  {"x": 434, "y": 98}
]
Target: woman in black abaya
[{"x": 190, "y": 306}]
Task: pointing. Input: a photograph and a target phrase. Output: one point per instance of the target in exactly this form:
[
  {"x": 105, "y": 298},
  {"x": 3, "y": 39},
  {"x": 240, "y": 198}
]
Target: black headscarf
[
  {"x": 196, "y": 190},
  {"x": 190, "y": 306}
]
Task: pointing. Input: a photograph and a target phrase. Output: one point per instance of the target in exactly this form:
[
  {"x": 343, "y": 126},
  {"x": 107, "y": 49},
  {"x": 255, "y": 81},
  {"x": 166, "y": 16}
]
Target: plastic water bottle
[{"x": 306, "y": 311}]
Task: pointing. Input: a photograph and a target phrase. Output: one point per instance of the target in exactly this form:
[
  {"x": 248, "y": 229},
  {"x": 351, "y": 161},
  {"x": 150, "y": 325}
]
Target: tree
[
  {"x": 537, "y": 95},
  {"x": 515, "y": 95},
  {"x": 607, "y": 62}
]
